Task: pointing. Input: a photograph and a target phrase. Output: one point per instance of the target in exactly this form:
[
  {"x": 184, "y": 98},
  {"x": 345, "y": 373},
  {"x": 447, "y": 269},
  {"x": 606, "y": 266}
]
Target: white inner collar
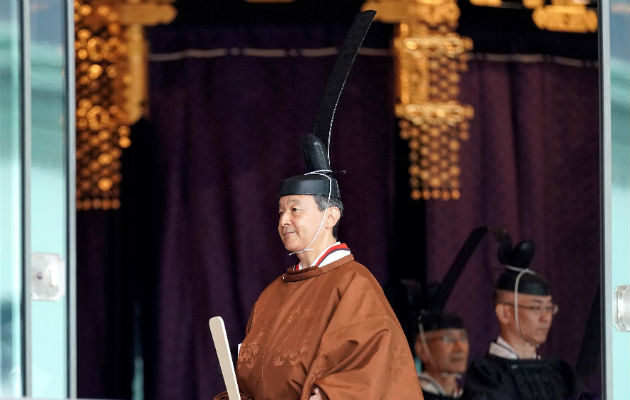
[
  {"x": 331, "y": 258},
  {"x": 501, "y": 348}
]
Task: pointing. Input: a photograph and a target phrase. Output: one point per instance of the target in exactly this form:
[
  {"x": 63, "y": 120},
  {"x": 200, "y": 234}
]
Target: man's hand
[{"x": 316, "y": 395}]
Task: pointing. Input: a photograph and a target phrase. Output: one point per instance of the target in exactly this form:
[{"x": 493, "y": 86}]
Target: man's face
[
  {"x": 299, "y": 219},
  {"x": 535, "y": 315},
  {"x": 449, "y": 350}
]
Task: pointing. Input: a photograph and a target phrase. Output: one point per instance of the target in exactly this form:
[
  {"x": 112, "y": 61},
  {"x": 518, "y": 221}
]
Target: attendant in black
[
  {"x": 442, "y": 346},
  {"x": 512, "y": 369}
]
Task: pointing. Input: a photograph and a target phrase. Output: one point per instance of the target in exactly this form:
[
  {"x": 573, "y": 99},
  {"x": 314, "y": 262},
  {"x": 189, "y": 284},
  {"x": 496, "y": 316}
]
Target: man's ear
[
  {"x": 419, "y": 349},
  {"x": 503, "y": 312},
  {"x": 333, "y": 216}
]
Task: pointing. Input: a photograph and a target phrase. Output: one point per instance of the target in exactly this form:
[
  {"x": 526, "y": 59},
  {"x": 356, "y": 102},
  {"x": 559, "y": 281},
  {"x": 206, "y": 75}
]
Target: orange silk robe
[{"x": 329, "y": 327}]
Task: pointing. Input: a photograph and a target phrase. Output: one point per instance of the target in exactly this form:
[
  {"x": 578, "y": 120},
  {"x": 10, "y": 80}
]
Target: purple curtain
[
  {"x": 531, "y": 166},
  {"x": 104, "y": 308},
  {"x": 229, "y": 106}
]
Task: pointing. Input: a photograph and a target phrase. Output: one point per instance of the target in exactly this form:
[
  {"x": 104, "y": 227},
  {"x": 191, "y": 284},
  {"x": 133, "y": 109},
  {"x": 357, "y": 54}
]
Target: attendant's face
[
  {"x": 535, "y": 315},
  {"x": 299, "y": 219},
  {"x": 449, "y": 351}
]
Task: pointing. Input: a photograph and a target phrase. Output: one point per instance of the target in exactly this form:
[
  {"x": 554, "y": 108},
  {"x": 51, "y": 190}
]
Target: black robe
[
  {"x": 497, "y": 378},
  {"x": 432, "y": 396}
]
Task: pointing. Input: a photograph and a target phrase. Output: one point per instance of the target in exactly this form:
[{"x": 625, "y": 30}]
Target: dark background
[{"x": 196, "y": 235}]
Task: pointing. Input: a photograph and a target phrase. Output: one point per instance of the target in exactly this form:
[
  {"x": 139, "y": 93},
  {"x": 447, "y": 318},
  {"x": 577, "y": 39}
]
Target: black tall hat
[
  {"x": 433, "y": 316},
  {"x": 425, "y": 306},
  {"x": 517, "y": 275},
  {"x": 318, "y": 179},
  {"x": 417, "y": 306}
]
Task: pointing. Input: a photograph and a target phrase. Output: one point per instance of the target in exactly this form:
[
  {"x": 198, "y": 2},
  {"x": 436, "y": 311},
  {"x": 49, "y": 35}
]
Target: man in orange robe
[{"x": 324, "y": 329}]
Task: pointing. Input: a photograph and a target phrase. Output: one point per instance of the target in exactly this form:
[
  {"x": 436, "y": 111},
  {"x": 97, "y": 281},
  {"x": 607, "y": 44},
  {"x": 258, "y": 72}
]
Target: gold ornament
[
  {"x": 429, "y": 59},
  {"x": 111, "y": 59},
  {"x": 559, "y": 16}
]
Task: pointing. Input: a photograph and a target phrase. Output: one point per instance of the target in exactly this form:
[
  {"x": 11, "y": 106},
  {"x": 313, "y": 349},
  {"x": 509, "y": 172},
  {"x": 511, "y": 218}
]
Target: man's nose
[
  {"x": 459, "y": 344},
  {"x": 284, "y": 219}
]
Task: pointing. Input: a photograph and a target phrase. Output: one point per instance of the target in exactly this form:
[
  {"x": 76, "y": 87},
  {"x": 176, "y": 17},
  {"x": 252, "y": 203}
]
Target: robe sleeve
[
  {"x": 485, "y": 381},
  {"x": 363, "y": 351},
  {"x": 224, "y": 396}
]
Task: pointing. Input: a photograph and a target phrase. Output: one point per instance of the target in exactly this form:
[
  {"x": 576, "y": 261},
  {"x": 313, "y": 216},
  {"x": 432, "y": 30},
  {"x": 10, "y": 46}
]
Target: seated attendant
[
  {"x": 442, "y": 346},
  {"x": 512, "y": 369}
]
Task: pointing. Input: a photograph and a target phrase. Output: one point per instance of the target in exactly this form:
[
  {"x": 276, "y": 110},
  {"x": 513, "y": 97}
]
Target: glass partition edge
[
  {"x": 605, "y": 195},
  {"x": 71, "y": 202},
  {"x": 26, "y": 198}
]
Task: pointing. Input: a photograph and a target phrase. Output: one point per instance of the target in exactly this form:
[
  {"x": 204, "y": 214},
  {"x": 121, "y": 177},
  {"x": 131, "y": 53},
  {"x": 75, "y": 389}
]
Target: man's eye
[{"x": 536, "y": 308}]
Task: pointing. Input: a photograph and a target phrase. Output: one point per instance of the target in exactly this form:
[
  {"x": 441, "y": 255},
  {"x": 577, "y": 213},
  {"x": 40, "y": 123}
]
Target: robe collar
[
  {"x": 332, "y": 253},
  {"x": 501, "y": 348},
  {"x": 430, "y": 385},
  {"x": 311, "y": 272}
]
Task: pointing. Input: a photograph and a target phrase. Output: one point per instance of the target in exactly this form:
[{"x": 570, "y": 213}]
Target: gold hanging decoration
[
  {"x": 566, "y": 17},
  {"x": 429, "y": 59},
  {"x": 559, "y": 16},
  {"x": 110, "y": 91},
  {"x": 102, "y": 126}
]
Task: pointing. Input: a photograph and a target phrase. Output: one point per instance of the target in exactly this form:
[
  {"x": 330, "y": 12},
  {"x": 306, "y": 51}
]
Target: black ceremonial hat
[
  {"x": 433, "y": 321},
  {"x": 433, "y": 317},
  {"x": 416, "y": 305},
  {"x": 517, "y": 276},
  {"x": 410, "y": 301},
  {"x": 318, "y": 179}
]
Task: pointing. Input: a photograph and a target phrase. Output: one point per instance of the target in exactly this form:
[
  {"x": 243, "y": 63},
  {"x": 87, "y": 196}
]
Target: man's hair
[
  {"x": 323, "y": 203},
  {"x": 498, "y": 295}
]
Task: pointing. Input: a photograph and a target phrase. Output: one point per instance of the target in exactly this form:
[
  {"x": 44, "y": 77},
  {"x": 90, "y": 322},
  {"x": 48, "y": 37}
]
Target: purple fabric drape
[
  {"x": 105, "y": 309},
  {"x": 228, "y": 123},
  {"x": 532, "y": 166}
]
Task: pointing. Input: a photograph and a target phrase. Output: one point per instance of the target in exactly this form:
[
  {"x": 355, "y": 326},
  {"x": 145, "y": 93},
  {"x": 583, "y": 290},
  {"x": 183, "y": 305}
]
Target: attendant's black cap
[
  {"x": 433, "y": 321},
  {"x": 517, "y": 271},
  {"x": 318, "y": 179}
]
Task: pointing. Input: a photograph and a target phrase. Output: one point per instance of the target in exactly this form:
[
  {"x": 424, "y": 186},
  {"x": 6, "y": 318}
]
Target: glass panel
[
  {"x": 620, "y": 180},
  {"x": 48, "y": 193},
  {"x": 10, "y": 201}
]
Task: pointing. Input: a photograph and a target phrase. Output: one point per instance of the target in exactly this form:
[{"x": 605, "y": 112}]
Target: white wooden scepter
[{"x": 219, "y": 336}]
